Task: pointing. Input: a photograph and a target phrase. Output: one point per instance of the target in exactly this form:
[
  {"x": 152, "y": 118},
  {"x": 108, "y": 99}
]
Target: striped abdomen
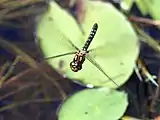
[{"x": 91, "y": 36}]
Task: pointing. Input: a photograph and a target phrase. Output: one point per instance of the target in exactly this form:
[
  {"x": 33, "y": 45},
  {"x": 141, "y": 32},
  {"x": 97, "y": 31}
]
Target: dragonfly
[
  {"x": 79, "y": 58},
  {"x": 82, "y": 54}
]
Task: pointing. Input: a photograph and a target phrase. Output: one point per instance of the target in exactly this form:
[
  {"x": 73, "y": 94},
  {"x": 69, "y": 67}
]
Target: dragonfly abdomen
[
  {"x": 91, "y": 36},
  {"x": 79, "y": 58}
]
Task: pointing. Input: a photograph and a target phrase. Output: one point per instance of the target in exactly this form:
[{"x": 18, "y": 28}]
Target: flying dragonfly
[
  {"x": 80, "y": 55},
  {"x": 79, "y": 58}
]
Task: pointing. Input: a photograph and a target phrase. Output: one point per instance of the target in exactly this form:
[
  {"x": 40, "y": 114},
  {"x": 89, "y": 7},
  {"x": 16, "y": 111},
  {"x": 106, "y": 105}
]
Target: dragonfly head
[{"x": 75, "y": 67}]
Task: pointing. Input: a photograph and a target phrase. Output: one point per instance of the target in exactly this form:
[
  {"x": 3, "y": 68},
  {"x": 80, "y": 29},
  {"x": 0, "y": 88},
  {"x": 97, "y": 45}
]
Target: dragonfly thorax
[{"x": 78, "y": 60}]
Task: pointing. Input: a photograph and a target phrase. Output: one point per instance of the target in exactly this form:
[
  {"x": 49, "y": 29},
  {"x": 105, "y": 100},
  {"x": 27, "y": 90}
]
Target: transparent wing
[
  {"x": 61, "y": 55},
  {"x": 100, "y": 68},
  {"x": 64, "y": 54},
  {"x": 70, "y": 42}
]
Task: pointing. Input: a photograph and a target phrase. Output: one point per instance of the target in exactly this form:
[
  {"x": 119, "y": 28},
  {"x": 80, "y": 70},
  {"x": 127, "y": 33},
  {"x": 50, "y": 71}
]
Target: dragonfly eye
[{"x": 74, "y": 66}]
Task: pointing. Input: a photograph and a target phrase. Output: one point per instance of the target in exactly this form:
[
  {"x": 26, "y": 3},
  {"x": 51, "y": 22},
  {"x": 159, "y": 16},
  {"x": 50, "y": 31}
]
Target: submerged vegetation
[{"x": 35, "y": 88}]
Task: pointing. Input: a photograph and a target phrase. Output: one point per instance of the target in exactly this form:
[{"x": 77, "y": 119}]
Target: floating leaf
[
  {"x": 115, "y": 44},
  {"x": 147, "y": 7},
  {"x": 94, "y": 104},
  {"x": 143, "y": 6},
  {"x": 154, "y": 9}
]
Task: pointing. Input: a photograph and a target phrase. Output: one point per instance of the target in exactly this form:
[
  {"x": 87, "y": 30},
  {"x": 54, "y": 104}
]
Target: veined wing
[
  {"x": 61, "y": 55},
  {"x": 89, "y": 40},
  {"x": 100, "y": 68},
  {"x": 71, "y": 43},
  {"x": 64, "y": 54}
]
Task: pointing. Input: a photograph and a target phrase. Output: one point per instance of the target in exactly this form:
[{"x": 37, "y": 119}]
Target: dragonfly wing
[
  {"x": 70, "y": 42},
  {"x": 100, "y": 68},
  {"x": 61, "y": 55},
  {"x": 117, "y": 66}
]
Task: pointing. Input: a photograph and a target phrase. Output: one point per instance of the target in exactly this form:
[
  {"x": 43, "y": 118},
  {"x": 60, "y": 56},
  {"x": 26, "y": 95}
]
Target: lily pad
[
  {"x": 94, "y": 104},
  {"x": 149, "y": 7},
  {"x": 145, "y": 6},
  {"x": 154, "y": 9},
  {"x": 115, "y": 45}
]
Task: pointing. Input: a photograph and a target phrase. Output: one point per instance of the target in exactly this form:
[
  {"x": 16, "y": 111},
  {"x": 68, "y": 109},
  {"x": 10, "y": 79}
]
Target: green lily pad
[
  {"x": 154, "y": 9},
  {"x": 115, "y": 44},
  {"x": 94, "y": 104},
  {"x": 143, "y": 6},
  {"x": 150, "y": 7}
]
